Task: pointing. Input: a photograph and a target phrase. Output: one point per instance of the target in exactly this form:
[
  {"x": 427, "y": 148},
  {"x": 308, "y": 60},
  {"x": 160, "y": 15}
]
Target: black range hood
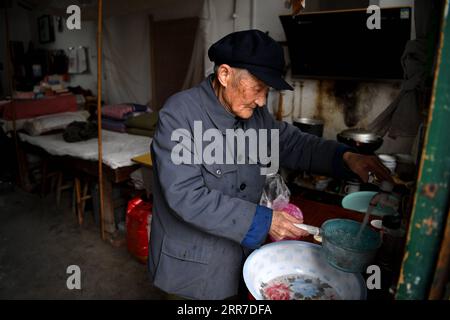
[{"x": 339, "y": 45}]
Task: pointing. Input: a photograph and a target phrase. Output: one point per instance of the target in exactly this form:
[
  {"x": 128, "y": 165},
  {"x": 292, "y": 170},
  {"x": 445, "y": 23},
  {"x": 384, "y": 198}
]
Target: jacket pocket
[
  {"x": 221, "y": 177},
  {"x": 186, "y": 251},
  {"x": 219, "y": 170},
  {"x": 183, "y": 269}
]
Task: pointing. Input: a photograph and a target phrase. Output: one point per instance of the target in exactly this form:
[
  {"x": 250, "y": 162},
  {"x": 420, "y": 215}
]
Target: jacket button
[
  {"x": 219, "y": 172},
  {"x": 243, "y": 186}
]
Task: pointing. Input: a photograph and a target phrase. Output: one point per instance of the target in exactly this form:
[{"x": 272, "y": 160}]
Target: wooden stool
[
  {"x": 81, "y": 195},
  {"x": 60, "y": 187},
  {"x": 46, "y": 175}
]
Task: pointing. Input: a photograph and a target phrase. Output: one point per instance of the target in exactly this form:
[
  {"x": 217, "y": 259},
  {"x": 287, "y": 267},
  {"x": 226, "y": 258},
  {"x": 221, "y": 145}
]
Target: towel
[
  {"x": 402, "y": 117},
  {"x": 77, "y": 60}
]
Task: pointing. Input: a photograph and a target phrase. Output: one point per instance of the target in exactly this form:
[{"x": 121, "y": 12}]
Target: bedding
[
  {"x": 146, "y": 121},
  {"x": 59, "y": 121},
  {"x": 118, "y": 148},
  {"x": 23, "y": 109},
  {"x": 113, "y": 125},
  {"x": 140, "y": 132},
  {"x": 122, "y": 111}
]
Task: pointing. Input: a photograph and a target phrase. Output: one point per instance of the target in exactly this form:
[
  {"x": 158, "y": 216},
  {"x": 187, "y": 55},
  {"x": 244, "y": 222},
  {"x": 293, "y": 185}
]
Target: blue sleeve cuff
[
  {"x": 259, "y": 229},
  {"x": 340, "y": 169}
]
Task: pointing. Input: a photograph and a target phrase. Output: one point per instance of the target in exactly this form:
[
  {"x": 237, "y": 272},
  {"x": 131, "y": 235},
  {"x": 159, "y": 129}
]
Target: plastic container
[{"x": 138, "y": 223}]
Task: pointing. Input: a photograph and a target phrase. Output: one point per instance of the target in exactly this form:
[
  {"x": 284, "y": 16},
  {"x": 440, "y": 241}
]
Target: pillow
[{"x": 43, "y": 124}]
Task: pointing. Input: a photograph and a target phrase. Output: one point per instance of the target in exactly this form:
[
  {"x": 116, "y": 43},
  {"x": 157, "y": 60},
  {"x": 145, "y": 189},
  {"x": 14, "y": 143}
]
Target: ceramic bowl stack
[{"x": 389, "y": 162}]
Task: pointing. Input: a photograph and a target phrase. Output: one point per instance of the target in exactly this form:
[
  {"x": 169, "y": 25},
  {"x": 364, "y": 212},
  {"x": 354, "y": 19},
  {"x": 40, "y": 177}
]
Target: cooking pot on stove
[
  {"x": 310, "y": 125},
  {"x": 362, "y": 140},
  {"x": 344, "y": 248}
]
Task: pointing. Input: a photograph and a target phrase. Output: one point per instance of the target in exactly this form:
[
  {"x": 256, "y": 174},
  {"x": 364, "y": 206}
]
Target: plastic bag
[
  {"x": 138, "y": 222},
  {"x": 276, "y": 194}
]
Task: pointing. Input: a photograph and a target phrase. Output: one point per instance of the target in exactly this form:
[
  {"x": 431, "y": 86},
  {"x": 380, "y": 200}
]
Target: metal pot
[
  {"x": 310, "y": 125},
  {"x": 339, "y": 246},
  {"x": 362, "y": 140}
]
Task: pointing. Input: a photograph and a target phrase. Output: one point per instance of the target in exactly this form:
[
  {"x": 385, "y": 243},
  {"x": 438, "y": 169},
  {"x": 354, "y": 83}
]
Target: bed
[
  {"x": 118, "y": 151},
  {"x": 118, "y": 148}
]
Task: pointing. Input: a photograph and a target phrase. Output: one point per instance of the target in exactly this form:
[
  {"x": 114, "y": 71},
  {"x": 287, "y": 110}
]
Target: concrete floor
[{"x": 38, "y": 242}]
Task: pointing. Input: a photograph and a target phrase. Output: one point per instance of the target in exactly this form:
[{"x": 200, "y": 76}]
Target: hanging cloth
[{"x": 402, "y": 117}]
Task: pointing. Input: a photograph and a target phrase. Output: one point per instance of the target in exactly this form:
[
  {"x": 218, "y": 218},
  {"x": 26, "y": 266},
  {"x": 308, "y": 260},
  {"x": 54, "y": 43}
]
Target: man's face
[{"x": 244, "y": 93}]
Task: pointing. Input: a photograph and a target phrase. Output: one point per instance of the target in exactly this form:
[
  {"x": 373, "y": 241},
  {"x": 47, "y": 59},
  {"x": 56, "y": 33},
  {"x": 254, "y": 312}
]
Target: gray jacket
[{"x": 201, "y": 213}]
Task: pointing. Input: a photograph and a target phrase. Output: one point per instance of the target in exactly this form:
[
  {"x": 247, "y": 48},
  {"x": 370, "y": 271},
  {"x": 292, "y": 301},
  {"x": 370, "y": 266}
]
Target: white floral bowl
[{"x": 301, "y": 272}]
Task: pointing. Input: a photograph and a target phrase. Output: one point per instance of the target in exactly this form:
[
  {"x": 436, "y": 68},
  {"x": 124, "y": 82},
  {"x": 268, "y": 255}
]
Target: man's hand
[
  {"x": 362, "y": 165},
  {"x": 282, "y": 227}
]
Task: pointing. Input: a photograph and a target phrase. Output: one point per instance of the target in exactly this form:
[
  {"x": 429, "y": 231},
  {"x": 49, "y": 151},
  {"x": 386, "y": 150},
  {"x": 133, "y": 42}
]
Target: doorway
[{"x": 171, "y": 42}]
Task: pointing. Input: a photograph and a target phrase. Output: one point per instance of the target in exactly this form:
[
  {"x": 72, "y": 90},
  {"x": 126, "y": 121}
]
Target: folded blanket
[
  {"x": 146, "y": 121},
  {"x": 140, "y": 132},
  {"x": 24, "y": 109},
  {"x": 139, "y": 107},
  {"x": 113, "y": 125},
  {"x": 119, "y": 111},
  {"x": 122, "y": 111}
]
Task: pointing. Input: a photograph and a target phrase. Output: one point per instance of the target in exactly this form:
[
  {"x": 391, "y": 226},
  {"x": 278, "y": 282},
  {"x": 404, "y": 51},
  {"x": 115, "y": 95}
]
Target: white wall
[{"x": 85, "y": 37}]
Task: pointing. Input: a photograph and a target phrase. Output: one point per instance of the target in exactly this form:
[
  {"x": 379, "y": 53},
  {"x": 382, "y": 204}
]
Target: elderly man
[{"x": 206, "y": 215}]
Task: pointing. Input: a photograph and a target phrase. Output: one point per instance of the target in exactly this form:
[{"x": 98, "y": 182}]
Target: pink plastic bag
[{"x": 293, "y": 210}]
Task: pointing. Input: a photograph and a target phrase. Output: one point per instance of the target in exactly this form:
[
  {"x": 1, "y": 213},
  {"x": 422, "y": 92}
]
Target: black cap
[{"x": 254, "y": 51}]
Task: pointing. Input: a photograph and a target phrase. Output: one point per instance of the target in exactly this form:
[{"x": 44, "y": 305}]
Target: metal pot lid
[
  {"x": 310, "y": 121},
  {"x": 360, "y": 135}
]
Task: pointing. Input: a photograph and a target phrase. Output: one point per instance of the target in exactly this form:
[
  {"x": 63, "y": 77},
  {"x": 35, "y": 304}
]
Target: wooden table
[{"x": 144, "y": 159}]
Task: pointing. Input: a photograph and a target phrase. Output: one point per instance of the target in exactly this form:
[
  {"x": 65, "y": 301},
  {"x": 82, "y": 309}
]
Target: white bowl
[
  {"x": 304, "y": 260},
  {"x": 377, "y": 224},
  {"x": 387, "y": 158}
]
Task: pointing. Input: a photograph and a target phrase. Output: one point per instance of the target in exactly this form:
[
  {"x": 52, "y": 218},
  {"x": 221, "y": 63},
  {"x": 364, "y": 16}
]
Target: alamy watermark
[
  {"x": 374, "y": 21},
  {"x": 73, "y": 22},
  {"x": 74, "y": 280},
  {"x": 228, "y": 148}
]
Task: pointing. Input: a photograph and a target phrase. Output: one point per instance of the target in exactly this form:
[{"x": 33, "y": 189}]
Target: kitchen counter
[{"x": 316, "y": 213}]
